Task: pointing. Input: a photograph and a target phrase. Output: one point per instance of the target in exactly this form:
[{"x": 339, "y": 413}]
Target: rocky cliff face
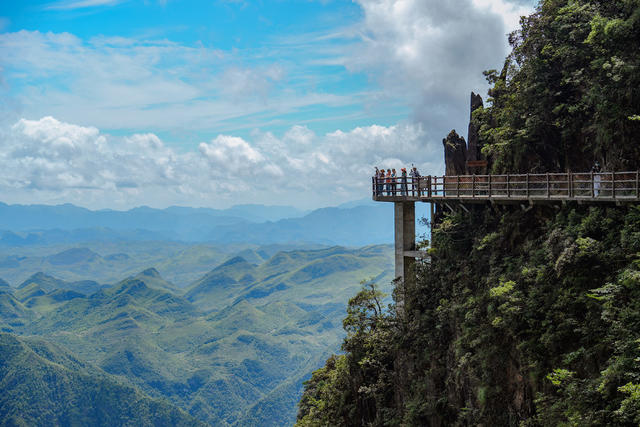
[
  {"x": 473, "y": 151},
  {"x": 459, "y": 157}
]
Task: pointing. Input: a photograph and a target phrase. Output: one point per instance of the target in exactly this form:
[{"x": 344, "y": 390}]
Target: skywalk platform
[
  {"x": 583, "y": 188},
  {"x": 602, "y": 187}
]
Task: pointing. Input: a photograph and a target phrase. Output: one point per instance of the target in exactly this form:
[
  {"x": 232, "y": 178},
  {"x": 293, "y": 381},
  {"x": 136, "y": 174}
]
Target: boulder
[{"x": 455, "y": 154}]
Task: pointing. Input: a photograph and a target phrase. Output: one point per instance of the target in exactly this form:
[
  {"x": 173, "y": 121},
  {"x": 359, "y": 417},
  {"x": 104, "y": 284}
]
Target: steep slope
[
  {"x": 29, "y": 291},
  {"x": 221, "y": 284},
  {"x": 50, "y": 283},
  {"x": 306, "y": 276},
  {"x": 13, "y": 314},
  {"x": 152, "y": 278},
  {"x": 42, "y": 384}
]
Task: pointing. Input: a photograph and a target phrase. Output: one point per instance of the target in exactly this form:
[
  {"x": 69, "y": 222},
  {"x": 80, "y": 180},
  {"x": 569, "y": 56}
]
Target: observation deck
[
  {"x": 583, "y": 188},
  {"x": 596, "y": 187}
]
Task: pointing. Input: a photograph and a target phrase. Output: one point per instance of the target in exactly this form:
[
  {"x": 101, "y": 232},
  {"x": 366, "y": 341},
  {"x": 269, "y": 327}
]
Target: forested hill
[{"x": 523, "y": 317}]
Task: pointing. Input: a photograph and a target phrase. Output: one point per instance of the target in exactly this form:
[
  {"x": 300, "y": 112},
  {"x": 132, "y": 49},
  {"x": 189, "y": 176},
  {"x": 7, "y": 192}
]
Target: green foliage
[
  {"x": 43, "y": 384},
  {"x": 355, "y": 386},
  {"x": 564, "y": 95},
  {"x": 503, "y": 289},
  {"x": 559, "y": 376}
]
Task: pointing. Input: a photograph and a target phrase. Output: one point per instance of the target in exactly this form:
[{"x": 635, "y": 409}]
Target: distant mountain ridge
[
  {"x": 352, "y": 224},
  {"x": 71, "y": 217},
  {"x": 49, "y": 283}
]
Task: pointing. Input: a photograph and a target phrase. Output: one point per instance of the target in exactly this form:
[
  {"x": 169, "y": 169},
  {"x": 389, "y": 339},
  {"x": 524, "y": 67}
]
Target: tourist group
[{"x": 393, "y": 184}]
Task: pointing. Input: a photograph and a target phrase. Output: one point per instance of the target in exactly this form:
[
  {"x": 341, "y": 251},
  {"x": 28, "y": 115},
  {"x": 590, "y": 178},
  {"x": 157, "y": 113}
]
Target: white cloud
[
  {"x": 232, "y": 154},
  {"x": 50, "y": 161},
  {"x": 431, "y": 53}
]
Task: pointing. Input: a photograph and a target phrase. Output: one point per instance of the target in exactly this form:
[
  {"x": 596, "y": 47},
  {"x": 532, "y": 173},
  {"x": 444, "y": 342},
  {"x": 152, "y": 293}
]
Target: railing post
[
  {"x": 527, "y": 184},
  {"x": 373, "y": 186},
  {"x": 613, "y": 184},
  {"x": 593, "y": 193},
  {"x": 637, "y": 182},
  {"x": 548, "y": 187},
  {"x": 508, "y": 187},
  {"x": 489, "y": 186},
  {"x": 570, "y": 185},
  {"x": 429, "y": 191},
  {"x": 473, "y": 186},
  {"x": 458, "y": 186}
]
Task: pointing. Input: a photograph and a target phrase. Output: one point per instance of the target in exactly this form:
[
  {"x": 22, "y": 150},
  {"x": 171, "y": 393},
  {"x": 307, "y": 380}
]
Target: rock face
[
  {"x": 456, "y": 151},
  {"x": 455, "y": 154},
  {"x": 473, "y": 151}
]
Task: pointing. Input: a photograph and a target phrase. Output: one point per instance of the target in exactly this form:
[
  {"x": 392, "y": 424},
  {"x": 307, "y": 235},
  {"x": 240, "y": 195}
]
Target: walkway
[{"x": 600, "y": 187}]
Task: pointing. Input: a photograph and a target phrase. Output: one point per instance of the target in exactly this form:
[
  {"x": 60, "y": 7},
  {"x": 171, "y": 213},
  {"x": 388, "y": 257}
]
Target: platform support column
[{"x": 405, "y": 236}]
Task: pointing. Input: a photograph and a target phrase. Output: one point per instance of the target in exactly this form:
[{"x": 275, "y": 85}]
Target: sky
[{"x": 212, "y": 103}]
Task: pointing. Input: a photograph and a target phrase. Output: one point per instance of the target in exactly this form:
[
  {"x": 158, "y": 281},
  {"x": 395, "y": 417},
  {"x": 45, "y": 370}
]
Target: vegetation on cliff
[
  {"x": 522, "y": 317},
  {"x": 569, "y": 93}
]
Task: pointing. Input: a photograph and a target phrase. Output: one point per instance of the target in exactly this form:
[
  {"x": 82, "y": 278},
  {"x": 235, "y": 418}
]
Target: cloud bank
[{"x": 53, "y": 162}]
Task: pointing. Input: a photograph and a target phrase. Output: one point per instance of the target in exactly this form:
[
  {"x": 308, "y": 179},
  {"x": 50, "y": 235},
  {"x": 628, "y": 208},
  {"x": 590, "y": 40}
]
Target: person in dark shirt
[{"x": 415, "y": 175}]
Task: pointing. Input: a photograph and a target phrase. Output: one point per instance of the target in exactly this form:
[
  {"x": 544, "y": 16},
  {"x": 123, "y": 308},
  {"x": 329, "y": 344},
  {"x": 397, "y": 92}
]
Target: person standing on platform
[
  {"x": 597, "y": 179},
  {"x": 404, "y": 188},
  {"x": 415, "y": 181},
  {"x": 393, "y": 181},
  {"x": 388, "y": 182}
]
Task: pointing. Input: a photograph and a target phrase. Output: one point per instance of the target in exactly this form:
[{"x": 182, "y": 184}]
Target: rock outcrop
[
  {"x": 456, "y": 152},
  {"x": 473, "y": 150}
]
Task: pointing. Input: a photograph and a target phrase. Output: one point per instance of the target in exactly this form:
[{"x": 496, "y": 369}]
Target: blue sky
[{"x": 119, "y": 103}]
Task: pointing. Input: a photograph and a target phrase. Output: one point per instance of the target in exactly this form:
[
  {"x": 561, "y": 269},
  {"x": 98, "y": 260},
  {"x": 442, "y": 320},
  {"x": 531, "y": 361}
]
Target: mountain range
[
  {"x": 356, "y": 224},
  {"x": 231, "y": 348}
]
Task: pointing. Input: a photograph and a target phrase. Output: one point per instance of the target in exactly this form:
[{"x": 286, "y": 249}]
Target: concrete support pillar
[{"x": 405, "y": 234}]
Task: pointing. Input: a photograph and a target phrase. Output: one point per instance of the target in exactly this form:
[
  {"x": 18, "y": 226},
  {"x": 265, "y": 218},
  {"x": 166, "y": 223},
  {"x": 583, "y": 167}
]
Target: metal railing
[{"x": 596, "y": 186}]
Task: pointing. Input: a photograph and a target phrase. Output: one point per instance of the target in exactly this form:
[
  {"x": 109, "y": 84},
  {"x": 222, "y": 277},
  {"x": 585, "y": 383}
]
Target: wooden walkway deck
[{"x": 602, "y": 187}]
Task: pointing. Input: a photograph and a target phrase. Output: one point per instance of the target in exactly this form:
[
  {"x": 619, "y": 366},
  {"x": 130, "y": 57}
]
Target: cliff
[{"x": 523, "y": 317}]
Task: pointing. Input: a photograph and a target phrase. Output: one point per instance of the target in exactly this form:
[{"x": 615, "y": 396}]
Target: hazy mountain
[
  {"x": 151, "y": 278},
  {"x": 49, "y": 283},
  {"x": 262, "y": 213},
  {"x": 356, "y": 226},
  {"x": 353, "y": 224},
  {"x": 73, "y": 256},
  {"x": 95, "y": 234},
  {"x": 44, "y": 384},
  {"x": 178, "y": 222}
]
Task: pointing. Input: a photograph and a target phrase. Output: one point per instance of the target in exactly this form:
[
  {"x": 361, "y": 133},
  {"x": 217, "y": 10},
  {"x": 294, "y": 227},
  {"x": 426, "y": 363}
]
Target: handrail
[{"x": 596, "y": 186}]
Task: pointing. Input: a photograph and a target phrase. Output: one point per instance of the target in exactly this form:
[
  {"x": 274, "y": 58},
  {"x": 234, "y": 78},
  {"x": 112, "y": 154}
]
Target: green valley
[{"x": 231, "y": 348}]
